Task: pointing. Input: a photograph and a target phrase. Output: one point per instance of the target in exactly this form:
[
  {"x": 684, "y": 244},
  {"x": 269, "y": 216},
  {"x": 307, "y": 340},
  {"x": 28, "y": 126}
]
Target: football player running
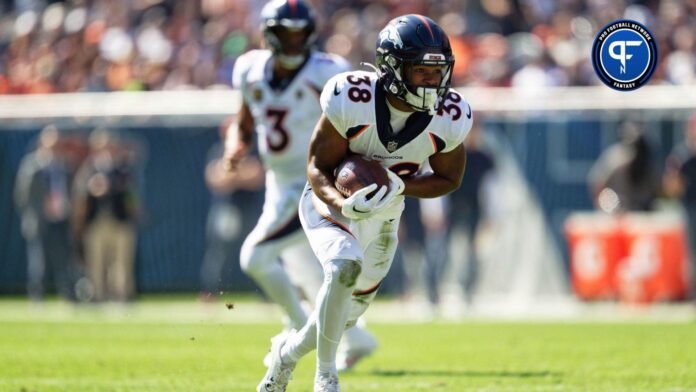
[
  {"x": 401, "y": 115},
  {"x": 280, "y": 89}
]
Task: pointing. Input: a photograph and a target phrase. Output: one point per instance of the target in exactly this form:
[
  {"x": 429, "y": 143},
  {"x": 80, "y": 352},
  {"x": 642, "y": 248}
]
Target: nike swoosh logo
[{"x": 336, "y": 90}]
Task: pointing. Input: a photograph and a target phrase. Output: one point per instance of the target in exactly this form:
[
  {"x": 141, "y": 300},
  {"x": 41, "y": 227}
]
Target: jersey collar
[
  {"x": 279, "y": 86},
  {"x": 415, "y": 124}
]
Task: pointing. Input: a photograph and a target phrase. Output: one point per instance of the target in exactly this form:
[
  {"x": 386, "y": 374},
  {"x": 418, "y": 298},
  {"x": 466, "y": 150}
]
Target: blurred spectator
[
  {"x": 680, "y": 181},
  {"x": 43, "y": 199},
  {"x": 100, "y": 45},
  {"x": 460, "y": 211},
  {"x": 107, "y": 207},
  {"x": 624, "y": 177},
  {"x": 231, "y": 193}
]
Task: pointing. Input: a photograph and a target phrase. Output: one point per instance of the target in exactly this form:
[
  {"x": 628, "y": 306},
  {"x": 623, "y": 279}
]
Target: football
[{"x": 357, "y": 172}]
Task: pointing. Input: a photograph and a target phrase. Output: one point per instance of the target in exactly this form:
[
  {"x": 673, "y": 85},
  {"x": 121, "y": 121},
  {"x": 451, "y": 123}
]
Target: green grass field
[{"x": 163, "y": 345}]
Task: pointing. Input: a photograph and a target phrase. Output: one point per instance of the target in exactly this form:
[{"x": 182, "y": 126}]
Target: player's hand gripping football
[
  {"x": 396, "y": 187},
  {"x": 358, "y": 206}
]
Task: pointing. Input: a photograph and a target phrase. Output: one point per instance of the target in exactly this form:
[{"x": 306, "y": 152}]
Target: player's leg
[
  {"x": 357, "y": 343},
  {"x": 433, "y": 214},
  {"x": 331, "y": 240},
  {"x": 306, "y": 273},
  {"x": 323, "y": 330},
  {"x": 436, "y": 255},
  {"x": 304, "y": 270},
  {"x": 333, "y": 305},
  {"x": 278, "y": 227},
  {"x": 380, "y": 247},
  {"x": 259, "y": 259},
  {"x": 340, "y": 253},
  {"x": 223, "y": 225},
  {"x": 470, "y": 276},
  {"x": 299, "y": 343},
  {"x": 96, "y": 258},
  {"x": 36, "y": 269},
  {"x": 379, "y": 241},
  {"x": 123, "y": 261}
]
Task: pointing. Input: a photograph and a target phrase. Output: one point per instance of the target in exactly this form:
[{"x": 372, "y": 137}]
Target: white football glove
[
  {"x": 396, "y": 187},
  {"x": 358, "y": 207}
]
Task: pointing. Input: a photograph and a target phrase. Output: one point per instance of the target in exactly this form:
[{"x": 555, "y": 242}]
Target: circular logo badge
[{"x": 624, "y": 55}]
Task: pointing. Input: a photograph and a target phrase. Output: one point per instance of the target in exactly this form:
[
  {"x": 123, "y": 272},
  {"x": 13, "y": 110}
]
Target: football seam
[{"x": 344, "y": 191}]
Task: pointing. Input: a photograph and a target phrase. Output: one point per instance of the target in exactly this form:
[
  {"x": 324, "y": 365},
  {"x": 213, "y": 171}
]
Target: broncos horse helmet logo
[{"x": 391, "y": 34}]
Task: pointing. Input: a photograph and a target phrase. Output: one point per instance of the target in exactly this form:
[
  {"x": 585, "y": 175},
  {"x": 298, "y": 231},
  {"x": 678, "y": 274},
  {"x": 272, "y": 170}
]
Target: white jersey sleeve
[
  {"x": 241, "y": 69},
  {"x": 347, "y": 98},
  {"x": 462, "y": 118},
  {"x": 334, "y": 104}
]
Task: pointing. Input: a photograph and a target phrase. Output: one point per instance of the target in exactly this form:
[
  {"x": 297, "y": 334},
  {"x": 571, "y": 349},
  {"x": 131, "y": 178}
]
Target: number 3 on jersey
[{"x": 277, "y": 137}]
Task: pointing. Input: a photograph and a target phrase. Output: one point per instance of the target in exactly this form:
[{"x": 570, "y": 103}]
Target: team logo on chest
[
  {"x": 258, "y": 95},
  {"x": 392, "y": 146}
]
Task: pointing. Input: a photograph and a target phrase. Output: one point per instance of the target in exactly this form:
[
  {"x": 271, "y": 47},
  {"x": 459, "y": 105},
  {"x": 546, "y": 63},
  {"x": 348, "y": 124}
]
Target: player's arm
[
  {"x": 327, "y": 150},
  {"x": 239, "y": 138},
  {"x": 448, "y": 170}
]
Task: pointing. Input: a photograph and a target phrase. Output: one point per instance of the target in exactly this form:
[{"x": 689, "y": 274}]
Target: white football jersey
[
  {"x": 355, "y": 103},
  {"x": 284, "y": 119}
]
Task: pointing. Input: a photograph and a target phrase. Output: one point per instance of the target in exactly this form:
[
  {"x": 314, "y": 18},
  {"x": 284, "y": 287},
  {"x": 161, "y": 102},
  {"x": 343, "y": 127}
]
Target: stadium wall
[{"x": 555, "y": 135}]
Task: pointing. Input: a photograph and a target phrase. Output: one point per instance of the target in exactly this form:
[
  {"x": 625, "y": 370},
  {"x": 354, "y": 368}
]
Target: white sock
[{"x": 301, "y": 342}]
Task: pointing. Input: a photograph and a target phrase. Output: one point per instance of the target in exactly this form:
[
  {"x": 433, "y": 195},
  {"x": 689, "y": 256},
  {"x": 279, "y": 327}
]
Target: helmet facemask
[
  {"x": 274, "y": 32},
  {"x": 424, "y": 98}
]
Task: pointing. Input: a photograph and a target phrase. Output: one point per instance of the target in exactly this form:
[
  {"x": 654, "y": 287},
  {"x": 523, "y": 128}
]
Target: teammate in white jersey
[
  {"x": 403, "y": 115},
  {"x": 280, "y": 90}
]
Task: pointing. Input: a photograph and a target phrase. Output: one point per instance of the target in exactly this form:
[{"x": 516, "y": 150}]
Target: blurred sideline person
[
  {"x": 280, "y": 88},
  {"x": 231, "y": 194},
  {"x": 402, "y": 115},
  {"x": 42, "y": 196},
  {"x": 463, "y": 210},
  {"x": 680, "y": 181},
  {"x": 107, "y": 208},
  {"x": 624, "y": 177}
]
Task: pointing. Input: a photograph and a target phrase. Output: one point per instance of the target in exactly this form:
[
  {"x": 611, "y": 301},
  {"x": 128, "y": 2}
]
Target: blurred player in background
[
  {"x": 680, "y": 181},
  {"x": 402, "y": 115},
  {"x": 42, "y": 196},
  {"x": 231, "y": 193},
  {"x": 624, "y": 178},
  {"x": 107, "y": 208},
  {"x": 462, "y": 211},
  {"x": 280, "y": 88}
]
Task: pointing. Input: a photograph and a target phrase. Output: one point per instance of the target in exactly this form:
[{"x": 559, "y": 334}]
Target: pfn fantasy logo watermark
[{"x": 624, "y": 55}]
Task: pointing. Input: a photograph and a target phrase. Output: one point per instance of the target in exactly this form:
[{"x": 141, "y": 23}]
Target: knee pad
[{"x": 345, "y": 272}]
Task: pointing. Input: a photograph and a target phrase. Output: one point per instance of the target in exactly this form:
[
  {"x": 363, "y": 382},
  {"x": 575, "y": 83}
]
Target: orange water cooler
[
  {"x": 656, "y": 261},
  {"x": 595, "y": 247},
  {"x": 636, "y": 258}
]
